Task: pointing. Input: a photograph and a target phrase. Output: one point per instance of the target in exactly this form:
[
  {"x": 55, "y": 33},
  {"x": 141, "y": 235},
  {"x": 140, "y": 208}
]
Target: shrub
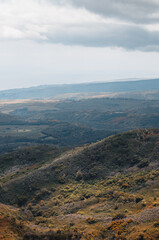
[
  {"x": 140, "y": 237},
  {"x": 62, "y": 179},
  {"x": 22, "y": 200},
  {"x": 143, "y": 163},
  {"x": 90, "y": 220},
  {"x": 79, "y": 175},
  {"x": 29, "y": 206},
  {"x": 156, "y": 224},
  {"x": 125, "y": 185},
  {"x": 143, "y": 203},
  {"x": 139, "y": 199},
  {"x": 115, "y": 225},
  {"x": 119, "y": 216}
]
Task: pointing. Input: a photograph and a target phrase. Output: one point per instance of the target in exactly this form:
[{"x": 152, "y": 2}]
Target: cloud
[
  {"x": 127, "y": 24},
  {"x": 37, "y": 19},
  {"x": 143, "y": 11},
  {"x": 108, "y": 35}
]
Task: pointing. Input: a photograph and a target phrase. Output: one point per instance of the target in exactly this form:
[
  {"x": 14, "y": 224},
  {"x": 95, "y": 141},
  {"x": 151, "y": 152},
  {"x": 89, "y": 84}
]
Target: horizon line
[{"x": 79, "y": 83}]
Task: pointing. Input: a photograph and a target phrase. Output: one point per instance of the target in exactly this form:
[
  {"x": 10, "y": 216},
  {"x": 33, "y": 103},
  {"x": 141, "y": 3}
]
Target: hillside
[
  {"x": 50, "y": 91},
  {"x": 105, "y": 190}
]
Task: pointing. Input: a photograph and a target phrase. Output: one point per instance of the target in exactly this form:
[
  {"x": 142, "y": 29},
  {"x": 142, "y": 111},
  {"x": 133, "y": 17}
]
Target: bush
[
  {"x": 139, "y": 199},
  {"x": 156, "y": 224},
  {"x": 90, "y": 220},
  {"x": 62, "y": 179},
  {"x": 143, "y": 163},
  {"x": 79, "y": 175},
  {"x": 119, "y": 216}
]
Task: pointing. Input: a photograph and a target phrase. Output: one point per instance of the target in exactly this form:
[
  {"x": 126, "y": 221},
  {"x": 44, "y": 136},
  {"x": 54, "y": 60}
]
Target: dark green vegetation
[
  {"x": 61, "y": 134},
  {"x": 106, "y": 190},
  {"x": 6, "y": 119},
  {"x": 72, "y": 123},
  {"x": 30, "y": 158},
  {"x": 50, "y": 91}
]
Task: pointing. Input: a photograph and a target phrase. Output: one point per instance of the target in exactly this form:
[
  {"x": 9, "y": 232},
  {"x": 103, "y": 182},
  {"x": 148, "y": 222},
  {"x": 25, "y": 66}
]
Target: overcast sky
[{"x": 71, "y": 41}]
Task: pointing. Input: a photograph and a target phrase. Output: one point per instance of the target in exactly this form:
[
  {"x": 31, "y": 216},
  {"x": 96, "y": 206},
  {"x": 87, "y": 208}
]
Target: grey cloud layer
[
  {"x": 132, "y": 35},
  {"x": 109, "y": 36},
  {"x": 138, "y": 11},
  {"x": 102, "y": 23}
]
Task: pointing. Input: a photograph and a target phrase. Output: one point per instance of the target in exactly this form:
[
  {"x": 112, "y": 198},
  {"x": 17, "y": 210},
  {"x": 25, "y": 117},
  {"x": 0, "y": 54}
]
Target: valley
[
  {"x": 84, "y": 168},
  {"x": 71, "y": 123}
]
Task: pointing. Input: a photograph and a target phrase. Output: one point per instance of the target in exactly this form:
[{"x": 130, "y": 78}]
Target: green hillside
[{"x": 106, "y": 190}]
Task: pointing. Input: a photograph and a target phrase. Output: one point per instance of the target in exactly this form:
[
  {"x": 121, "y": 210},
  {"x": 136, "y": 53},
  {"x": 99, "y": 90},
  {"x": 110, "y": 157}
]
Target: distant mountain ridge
[{"x": 50, "y": 91}]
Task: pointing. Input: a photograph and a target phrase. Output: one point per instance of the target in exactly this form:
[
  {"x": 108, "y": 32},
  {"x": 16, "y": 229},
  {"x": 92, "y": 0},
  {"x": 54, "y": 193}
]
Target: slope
[
  {"x": 106, "y": 190},
  {"x": 111, "y": 155}
]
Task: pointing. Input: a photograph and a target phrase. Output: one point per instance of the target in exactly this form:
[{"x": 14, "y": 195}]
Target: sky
[{"x": 71, "y": 41}]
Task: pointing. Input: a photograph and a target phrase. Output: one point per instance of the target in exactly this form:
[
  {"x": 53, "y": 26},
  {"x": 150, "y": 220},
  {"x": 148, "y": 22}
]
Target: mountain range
[{"x": 52, "y": 91}]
